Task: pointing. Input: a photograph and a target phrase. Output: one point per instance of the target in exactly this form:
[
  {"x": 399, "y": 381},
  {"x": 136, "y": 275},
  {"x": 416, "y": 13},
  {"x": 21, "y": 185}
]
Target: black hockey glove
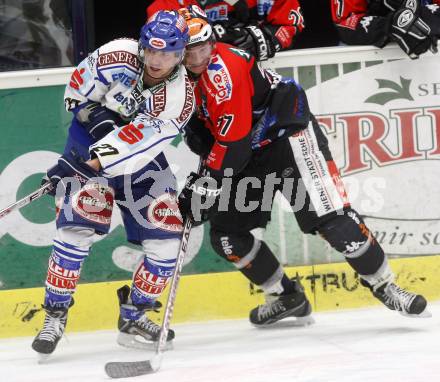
[
  {"x": 68, "y": 168},
  {"x": 198, "y": 137},
  {"x": 198, "y": 198},
  {"x": 411, "y": 33},
  {"x": 98, "y": 120},
  {"x": 251, "y": 38}
]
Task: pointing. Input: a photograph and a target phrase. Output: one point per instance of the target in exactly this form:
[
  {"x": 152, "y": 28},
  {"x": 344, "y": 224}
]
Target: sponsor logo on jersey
[
  {"x": 124, "y": 79},
  {"x": 76, "y": 79},
  {"x": 220, "y": 79},
  {"x": 128, "y": 105},
  {"x": 136, "y": 93},
  {"x": 131, "y": 133},
  {"x": 217, "y": 13},
  {"x": 164, "y": 213},
  {"x": 158, "y": 102},
  {"x": 94, "y": 202},
  {"x": 118, "y": 57},
  {"x": 188, "y": 105},
  {"x": 157, "y": 43}
]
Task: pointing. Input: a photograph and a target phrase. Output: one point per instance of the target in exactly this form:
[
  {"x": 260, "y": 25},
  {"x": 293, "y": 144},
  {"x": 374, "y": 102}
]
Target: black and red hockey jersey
[{"x": 245, "y": 107}]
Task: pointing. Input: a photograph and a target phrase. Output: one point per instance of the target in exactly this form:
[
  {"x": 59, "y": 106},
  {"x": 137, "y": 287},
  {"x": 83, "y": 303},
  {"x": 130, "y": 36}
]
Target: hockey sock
[
  {"x": 150, "y": 279},
  {"x": 63, "y": 273},
  {"x": 288, "y": 285},
  {"x": 349, "y": 235}
]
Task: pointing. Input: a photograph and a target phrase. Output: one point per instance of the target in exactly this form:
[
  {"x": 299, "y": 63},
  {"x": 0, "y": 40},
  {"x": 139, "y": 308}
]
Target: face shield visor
[{"x": 161, "y": 59}]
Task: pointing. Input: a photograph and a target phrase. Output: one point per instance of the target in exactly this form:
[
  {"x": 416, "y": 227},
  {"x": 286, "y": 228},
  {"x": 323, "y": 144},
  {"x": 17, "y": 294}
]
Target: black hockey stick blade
[{"x": 132, "y": 369}]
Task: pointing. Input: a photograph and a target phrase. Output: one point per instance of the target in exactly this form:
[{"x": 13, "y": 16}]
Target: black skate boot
[
  {"x": 133, "y": 322},
  {"x": 278, "y": 307},
  {"x": 395, "y": 298},
  {"x": 53, "y": 328}
]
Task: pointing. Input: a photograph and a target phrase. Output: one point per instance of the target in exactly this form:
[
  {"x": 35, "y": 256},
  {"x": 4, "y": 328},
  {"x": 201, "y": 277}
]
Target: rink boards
[{"x": 215, "y": 296}]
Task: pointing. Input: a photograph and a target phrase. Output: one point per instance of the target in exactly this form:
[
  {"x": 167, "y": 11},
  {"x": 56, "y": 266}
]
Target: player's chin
[
  {"x": 157, "y": 72},
  {"x": 197, "y": 69}
]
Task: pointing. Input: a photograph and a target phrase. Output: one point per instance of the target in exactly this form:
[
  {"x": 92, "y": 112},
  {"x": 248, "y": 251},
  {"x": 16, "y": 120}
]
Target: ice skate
[
  {"x": 278, "y": 307},
  {"x": 395, "y": 298},
  {"x": 136, "y": 330},
  {"x": 53, "y": 328}
]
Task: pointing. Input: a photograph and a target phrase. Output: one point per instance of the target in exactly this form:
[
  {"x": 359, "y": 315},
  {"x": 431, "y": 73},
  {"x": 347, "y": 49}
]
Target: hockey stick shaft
[
  {"x": 133, "y": 369},
  {"x": 169, "y": 309},
  {"x": 43, "y": 190}
]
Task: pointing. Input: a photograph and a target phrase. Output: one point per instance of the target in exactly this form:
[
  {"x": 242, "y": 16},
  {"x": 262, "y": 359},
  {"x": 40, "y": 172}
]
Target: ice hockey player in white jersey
[{"x": 129, "y": 99}]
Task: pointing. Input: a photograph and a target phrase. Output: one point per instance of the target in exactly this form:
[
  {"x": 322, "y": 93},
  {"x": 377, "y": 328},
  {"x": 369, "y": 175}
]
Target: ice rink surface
[{"x": 368, "y": 345}]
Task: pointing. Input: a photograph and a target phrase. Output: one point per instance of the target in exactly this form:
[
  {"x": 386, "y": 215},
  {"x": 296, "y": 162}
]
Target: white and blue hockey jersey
[{"x": 112, "y": 76}]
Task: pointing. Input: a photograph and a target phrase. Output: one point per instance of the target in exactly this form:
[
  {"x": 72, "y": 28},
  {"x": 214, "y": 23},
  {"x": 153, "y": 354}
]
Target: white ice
[{"x": 367, "y": 345}]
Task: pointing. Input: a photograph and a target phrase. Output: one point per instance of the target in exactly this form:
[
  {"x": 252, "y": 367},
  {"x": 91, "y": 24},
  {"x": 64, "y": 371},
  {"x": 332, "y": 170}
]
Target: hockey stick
[
  {"x": 43, "y": 190},
  {"x": 134, "y": 369}
]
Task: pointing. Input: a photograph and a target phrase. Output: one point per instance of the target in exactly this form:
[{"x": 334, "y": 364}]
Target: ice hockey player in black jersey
[{"x": 256, "y": 134}]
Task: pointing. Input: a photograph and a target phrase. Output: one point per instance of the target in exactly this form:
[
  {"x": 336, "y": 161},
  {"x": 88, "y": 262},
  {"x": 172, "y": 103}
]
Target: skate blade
[
  {"x": 42, "y": 358},
  {"x": 134, "y": 341},
  {"x": 289, "y": 322},
  {"x": 425, "y": 314}
]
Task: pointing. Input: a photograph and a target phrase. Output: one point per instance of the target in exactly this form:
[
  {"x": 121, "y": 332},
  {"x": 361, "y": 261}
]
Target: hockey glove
[
  {"x": 198, "y": 198},
  {"x": 250, "y": 38},
  {"x": 396, "y": 4},
  {"x": 411, "y": 33},
  {"x": 98, "y": 120},
  {"x": 198, "y": 138},
  {"x": 68, "y": 168}
]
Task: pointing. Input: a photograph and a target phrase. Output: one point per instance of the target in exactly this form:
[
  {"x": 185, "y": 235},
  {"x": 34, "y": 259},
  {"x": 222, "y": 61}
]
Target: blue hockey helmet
[{"x": 166, "y": 31}]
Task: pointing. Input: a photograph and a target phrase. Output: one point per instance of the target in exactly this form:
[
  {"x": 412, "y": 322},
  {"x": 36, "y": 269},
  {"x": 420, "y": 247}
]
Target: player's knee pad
[
  {"x": 71, "y": 246},
  {"x": 348, "y": 234},
  {"x": 154, "y": 270},
  {"x": 251, "y": 256}
]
